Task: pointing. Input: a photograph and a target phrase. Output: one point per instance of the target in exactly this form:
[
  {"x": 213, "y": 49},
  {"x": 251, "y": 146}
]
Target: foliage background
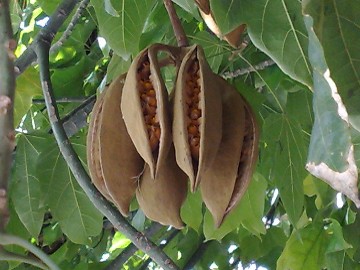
[{"x": 288, "y": 219}]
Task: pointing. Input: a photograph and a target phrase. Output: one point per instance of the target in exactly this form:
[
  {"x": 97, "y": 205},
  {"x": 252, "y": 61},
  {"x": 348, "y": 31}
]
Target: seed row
[
  {"x": 149, "y": 104},
  {"x": 193, "y": 109}
]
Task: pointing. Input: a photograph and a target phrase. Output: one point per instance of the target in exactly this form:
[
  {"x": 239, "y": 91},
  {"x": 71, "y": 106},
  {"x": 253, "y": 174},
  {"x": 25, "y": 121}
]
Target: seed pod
[
  {"x": 92, "y": 144},
  {"x": 145, "y": 108},
  {"x": 226, "y": 181},
  {"x": 120, "y": 162},
  {"x": 161, "y": 199},
  {"x": 197, "y": 116}
]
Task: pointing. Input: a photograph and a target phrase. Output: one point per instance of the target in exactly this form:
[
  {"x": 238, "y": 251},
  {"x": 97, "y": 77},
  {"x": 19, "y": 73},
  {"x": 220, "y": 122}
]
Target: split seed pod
[
  {"x": 92, "y": 149},
  {"x": 113, "y": 161},
  {"x": 120, "y": 162},
  {"x": 197, "y": 116},
  {"x": 145, "y": 108},
  {"x": 161, "y": 199},
  {"x": 225, "y": 183}
]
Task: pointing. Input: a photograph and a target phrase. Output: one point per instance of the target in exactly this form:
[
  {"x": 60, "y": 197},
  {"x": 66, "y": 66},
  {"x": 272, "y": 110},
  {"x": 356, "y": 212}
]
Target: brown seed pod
[
  {"x": 121, "y": 164},
  {"x": 161, "y": 199},
  {"x": 197, "y": 116},
  {"x": 145, "y": 108},
  {"x": 225, "y": 183},
  {"x": 92, "y": 148}
]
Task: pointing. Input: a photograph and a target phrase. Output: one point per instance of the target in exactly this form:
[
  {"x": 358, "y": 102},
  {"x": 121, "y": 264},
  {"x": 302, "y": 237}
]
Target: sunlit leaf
[
  {"x": 277, "y": 28},
  {"x": 335, "y": 164},
  {"x": 27, "y": 86},
  {"x": 123, "y": 32},
  {"x": 191, "y": 211}
]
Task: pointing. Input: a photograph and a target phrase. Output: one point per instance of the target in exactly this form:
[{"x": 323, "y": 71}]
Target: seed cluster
[
  {"x": 149, "y": 104},
  {"x": 193, "y": 112}
]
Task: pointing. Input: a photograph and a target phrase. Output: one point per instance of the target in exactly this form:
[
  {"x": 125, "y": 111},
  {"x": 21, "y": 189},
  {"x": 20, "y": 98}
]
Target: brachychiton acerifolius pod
[{"x": 197, "y": 116}]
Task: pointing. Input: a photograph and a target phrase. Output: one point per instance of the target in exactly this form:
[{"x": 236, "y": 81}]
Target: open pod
[
  {"x": 226, "y": 181},
  {"x": 145, "y": 107},
  {"x": 197, "y": 116},
  {"x": 162, "y": 199},
  {"x": 92, "y": 149},
  {"x": 120, "y": 162}
]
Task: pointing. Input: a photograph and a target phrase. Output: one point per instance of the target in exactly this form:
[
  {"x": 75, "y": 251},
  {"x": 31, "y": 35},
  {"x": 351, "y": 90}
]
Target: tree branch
[
  {"x": 179, "y": 32},
  {"x": 49, "y": 31},
  {"x": 197, "y": 254},
  {"x": 8, "y": 256},
  {"x": 6, "y": 239},
  {"x": 79, "y": 171},
  {"x": 7, "y": 89},
  {"x": 242, "y": 71},
  {"x": 131, "y": 249},
  {"x": 55, "y": 47}
]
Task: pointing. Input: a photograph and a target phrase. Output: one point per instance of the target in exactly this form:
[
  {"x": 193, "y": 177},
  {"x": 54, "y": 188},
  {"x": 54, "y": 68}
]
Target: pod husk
[
  {"x": 248, "y": 159},
  {"x": 92, "y": 148},
  {"x": 210, "y": 120},
  {"x": 133, "y": 115},
  {"x": 161, "y": 200},
  {"x": 120, "y": 162},
  {"x": 218, "y": 183}
]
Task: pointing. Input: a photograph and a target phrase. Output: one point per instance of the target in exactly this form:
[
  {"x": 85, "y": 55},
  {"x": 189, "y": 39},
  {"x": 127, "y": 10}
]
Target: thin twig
[
  {"x": 7, "y": 89},
  {"x": 51, "y": 28},
  {"x": 179, "y": 32},
  {"x": 242, "y": 71},
  {"x": 79, "y": 171},
  {"x": 6, "y": 239},
  {"x": 57, "y": 45}
]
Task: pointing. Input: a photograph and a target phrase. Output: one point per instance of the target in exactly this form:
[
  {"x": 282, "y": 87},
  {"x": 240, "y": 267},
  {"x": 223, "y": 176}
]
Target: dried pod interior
[
  {"x": 148, "y": 103},
  {"x": 193, "y": 89}
]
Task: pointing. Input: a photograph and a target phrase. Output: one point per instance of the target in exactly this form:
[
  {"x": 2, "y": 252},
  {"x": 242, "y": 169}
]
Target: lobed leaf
[{"x": 77, "y": 216}]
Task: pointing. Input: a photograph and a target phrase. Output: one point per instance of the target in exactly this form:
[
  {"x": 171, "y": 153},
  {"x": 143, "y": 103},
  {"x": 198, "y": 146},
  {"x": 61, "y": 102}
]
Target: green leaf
[
  {"x": 306, "y": 248},
  {"x": 191, "y": 211},
  {"x": 214, "y": 50},
  {"x": 189, "y": 6},
  {"x": 277, "y": 28},
  {"x": 26, "y": 189},
  {"x": 337, "y": 24},
  {"x": 226, "y": 13},
  {"x": 77, "y": 216},
  {"x": 249, "y": 213},
  {"x": 116, "y": 67},
  {"x": 27, "y": 86},
  {"x": 335, "y": 164},
  {"x": 324, "y": 194},
  {"x": 123, "y": 33},
  {"x": 285, "y": 157}
]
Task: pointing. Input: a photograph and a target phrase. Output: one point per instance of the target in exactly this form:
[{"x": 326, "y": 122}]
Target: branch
[
  {"x": 7, "y": 90},
  {"x": 6, "y": 239},
  {"x": 179, "y": 32},
  {"x": 49, "y": 31},
  {"x": 79, "y": 171},
  {"x": 197, "y": 254},
  {"x": 131, "y": 249},
  {"x": 242, "y": 71},
  {"x": 172, "y": 235},
  {"x": 55, "y": 47},
  {"x": 8, "y": 256}
]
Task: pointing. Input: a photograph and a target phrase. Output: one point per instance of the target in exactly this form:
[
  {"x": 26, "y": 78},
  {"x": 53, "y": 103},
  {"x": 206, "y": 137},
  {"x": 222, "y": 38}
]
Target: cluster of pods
[{"x": 156, "y": 144}]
